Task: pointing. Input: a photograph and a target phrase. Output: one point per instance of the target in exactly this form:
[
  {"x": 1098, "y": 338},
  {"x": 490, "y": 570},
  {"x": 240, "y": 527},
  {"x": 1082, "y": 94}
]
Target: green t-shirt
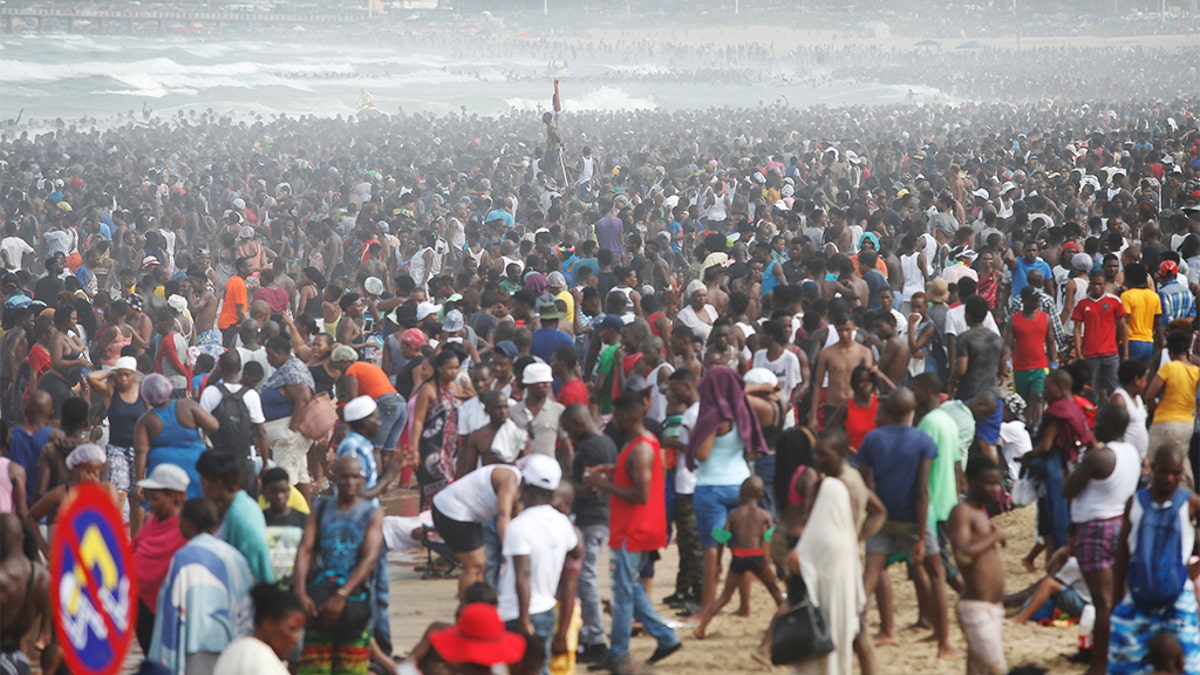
[
  {"x": 606, "y": 368},
  {"x": 943, "y": 488}
]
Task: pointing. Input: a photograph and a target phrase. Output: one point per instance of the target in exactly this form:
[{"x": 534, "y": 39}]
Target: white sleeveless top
[
  {"x": 472, "y": 499},
  {"x": 914, "y": 281},
  {"x": 1136, "y": 433},
  {"x": 1105, "y": 498}
]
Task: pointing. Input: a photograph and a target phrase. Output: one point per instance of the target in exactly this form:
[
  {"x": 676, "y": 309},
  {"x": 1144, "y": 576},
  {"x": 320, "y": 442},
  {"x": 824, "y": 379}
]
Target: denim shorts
[{"x": 712, "y": 504}]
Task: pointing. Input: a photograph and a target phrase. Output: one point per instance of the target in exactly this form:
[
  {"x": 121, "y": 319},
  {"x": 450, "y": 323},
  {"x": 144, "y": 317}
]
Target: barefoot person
[
  {"x": 1105, "y": 479},
  {"x": 973, "y": 538},
  {"x": 895, "y": 460},
  {"x": 461, "y": 507},
  {"x": 747, "y": 527}
]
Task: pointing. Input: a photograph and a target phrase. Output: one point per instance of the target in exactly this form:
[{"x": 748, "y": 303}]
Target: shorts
[
  {"x": 989, "y": 429},
  {"x": 120, "y": 467},
  {"x": 712, "y": 504},
  {"x": 1069, "y": 602},
  {"x": 1141, "y": 351},
  {"x": 1029, "y": 382},
  {"x": 983, "y": 623},
  {"x": 898, "y": 536},
  {"x": 1096, "y": 544},
  {"x": 460, "y": 537},
  {"x": 747, "y": 560},
  {"x": 289, "y": 449}
]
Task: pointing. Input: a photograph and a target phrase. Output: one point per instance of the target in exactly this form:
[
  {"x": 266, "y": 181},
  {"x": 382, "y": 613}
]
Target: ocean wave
[{"x": 603, "y": 99}]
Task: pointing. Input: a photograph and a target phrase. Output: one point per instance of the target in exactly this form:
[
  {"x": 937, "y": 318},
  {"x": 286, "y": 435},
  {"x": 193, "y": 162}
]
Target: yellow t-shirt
[
  {"x": 295, "y": 500},
  {"x": 1143, "y": 307},
  {"x": 1178, "y": 402},
  {"x": 569, "y": 299}
]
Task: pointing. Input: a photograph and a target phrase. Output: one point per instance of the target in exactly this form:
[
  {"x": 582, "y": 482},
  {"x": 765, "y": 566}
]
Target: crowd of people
[{"x": 778, "y": 332}]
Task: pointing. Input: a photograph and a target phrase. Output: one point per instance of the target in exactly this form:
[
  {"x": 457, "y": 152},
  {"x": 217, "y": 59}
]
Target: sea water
[{"x": 104, "y": 76}]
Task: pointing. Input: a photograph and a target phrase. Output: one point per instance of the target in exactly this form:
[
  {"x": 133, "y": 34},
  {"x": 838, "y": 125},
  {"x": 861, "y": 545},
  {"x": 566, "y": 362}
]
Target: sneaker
[
  {"x": 592, "y": 653},
  {"x": 663, "y": 652},
  {"x": 688, "y": 610},
  {"x": 604, "y": 665},
  {"x": 674, "y": 600}
]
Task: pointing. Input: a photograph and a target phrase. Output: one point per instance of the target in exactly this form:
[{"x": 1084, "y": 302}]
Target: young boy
[
  {"x": 973, "y": 538},
  {"x": 748, "y": 527},
  {"x": 284, "y": 523}
]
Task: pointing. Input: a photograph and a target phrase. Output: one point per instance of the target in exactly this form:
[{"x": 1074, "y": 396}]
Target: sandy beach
[{"x": 415, "y": 603}]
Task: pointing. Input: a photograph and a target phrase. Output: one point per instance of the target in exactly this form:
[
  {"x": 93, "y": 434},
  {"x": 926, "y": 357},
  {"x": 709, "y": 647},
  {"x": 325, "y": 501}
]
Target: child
[
  {"x": 285, "y": 524},
  {"x": 974, "y": 537},
  {"x": 252, "y": 374},
  {"x": 204, "y": 366},
  {"x": 748, "y": 526}
]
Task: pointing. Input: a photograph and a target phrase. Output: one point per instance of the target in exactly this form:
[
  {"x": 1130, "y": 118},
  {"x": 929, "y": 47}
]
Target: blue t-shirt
[
  {"x": 894, "y": 453},
  {"x": 1022, "y": 269},
  {"x": 546, "y": 340}
]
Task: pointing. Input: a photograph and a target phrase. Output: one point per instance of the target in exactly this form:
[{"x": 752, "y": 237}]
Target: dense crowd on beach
[{"x": 825, "y": 340}]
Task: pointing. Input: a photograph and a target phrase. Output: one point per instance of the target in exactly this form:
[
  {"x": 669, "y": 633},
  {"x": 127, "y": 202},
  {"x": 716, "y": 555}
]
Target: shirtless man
[
  {"x": 838, "y": 361},
  {"x": 893, "y": 352},
  {"x": 24, "y": 593},
  {"x": 973, "y": 538},
  {"x": 203, "y": 305},
  {"x": 350, "y": 328},
  {"x": 717, "y": 297}
]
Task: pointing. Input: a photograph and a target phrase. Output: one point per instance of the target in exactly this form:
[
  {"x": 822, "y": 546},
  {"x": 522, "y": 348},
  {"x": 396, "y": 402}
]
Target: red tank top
[
  {"x": 639, "y": 527},
  {"x": 860, "y": 421},
  {"x": 1030, "y": 338}
]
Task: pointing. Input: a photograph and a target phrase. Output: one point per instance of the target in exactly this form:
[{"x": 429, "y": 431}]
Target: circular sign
[{"x": 93, "y": 592}]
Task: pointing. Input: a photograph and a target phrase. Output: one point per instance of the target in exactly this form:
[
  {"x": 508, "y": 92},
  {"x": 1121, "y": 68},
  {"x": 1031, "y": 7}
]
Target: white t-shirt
[
  {"x": 546, "y": 536},
  {"x": 211, "y": 397},
  {"x": 15, "y": 248},
  {"x": 1014, "y": 443},
  {"x": 685, "y": 478},
  {"x": 786, "y": 368},
  {"x": 658, "y": 400},
  {"x": 249, "y": 656},
  {"x": 956, "y": 321}
]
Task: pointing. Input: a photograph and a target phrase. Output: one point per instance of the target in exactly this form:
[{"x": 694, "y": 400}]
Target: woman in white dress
[{"x": 832, "y": 574}]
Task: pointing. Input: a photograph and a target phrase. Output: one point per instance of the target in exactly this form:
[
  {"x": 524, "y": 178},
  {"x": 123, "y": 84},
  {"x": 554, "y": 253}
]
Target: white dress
[{"x": 832, "y": 573}]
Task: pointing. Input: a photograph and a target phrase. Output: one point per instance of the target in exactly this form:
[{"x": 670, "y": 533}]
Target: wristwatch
[{"x": 344, "y": 593}]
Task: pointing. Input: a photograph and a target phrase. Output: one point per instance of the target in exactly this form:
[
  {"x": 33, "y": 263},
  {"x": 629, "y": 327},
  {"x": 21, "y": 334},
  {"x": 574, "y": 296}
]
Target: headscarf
[
  {"x": 88, "y": 453},
  {"x": 536, "y": 283},
  {"x": 869, "y": 235},
  {"x": 156, "y": 389},
  {"x": 723, "y": 399}
]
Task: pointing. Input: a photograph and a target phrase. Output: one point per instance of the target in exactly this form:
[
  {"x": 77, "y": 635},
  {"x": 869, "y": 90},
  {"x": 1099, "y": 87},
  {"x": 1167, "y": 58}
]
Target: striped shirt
[{"x": 1177, "y": 302}]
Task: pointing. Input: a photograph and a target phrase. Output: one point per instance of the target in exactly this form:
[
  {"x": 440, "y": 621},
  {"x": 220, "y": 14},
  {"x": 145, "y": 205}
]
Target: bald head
[
  {"x": 1034, "y": 277},
  {"x": 39, "y": 406},
  {"x": 899, "y": 406}
]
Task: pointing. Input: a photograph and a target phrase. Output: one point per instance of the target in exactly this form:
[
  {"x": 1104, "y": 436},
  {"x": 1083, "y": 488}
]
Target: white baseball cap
[
  {"x": 541, "y": 471},
  {"x": 126, "y": 363},
  {"x": 358, "y": 408},
  {"x": 166, "y": 477},
  {"x": 537, "y": 373}
]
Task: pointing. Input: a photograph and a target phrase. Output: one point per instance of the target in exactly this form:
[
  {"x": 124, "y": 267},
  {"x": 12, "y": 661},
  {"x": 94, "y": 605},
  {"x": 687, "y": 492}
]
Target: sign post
[{"x": 93, "y": 592}]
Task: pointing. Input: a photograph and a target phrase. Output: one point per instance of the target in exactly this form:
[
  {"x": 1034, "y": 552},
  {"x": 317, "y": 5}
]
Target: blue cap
[
  {"x": 508, "y": 347},
  {"x": 612, "y": 322}
]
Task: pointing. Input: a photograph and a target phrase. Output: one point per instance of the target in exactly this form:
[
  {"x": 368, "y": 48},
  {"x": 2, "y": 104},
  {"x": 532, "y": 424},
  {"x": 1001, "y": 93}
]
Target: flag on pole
[{"x": 557, "y": 100}]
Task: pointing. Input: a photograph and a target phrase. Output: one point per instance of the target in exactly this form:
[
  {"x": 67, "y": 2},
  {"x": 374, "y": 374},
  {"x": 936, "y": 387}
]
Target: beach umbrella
[{"x": 972, "y": 44}]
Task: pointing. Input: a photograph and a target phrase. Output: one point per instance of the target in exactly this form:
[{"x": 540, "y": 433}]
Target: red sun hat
[{"x": 479, "y": 637}]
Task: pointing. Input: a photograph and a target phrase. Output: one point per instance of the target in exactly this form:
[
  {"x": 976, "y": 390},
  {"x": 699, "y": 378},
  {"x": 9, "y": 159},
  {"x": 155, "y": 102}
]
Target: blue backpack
[{"x": 1157, "y": 572}]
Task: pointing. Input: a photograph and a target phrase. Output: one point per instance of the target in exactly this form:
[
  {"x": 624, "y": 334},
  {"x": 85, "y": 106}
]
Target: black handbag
[
  {"x": 800, "y": 633},
  {"x": 357, "y": 614},
  {"x": 355, "y": 617}
]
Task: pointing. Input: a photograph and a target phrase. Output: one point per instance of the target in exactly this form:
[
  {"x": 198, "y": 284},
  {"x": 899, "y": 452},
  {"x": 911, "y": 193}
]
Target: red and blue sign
[{"x": 94, "y": 593}]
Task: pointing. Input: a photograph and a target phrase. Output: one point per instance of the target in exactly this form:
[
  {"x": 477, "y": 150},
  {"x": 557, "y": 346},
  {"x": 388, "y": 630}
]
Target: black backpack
[{"x": 236, "y": 429}]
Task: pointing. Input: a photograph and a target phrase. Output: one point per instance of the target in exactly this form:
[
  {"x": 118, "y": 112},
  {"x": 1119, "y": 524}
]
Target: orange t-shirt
[
  {"x": 235, "y": 294},
  {"x": 372, "y": 381}
]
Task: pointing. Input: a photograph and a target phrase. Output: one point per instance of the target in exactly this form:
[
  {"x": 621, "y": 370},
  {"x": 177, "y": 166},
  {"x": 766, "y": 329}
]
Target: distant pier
[{"x": 16, "y": 20}]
